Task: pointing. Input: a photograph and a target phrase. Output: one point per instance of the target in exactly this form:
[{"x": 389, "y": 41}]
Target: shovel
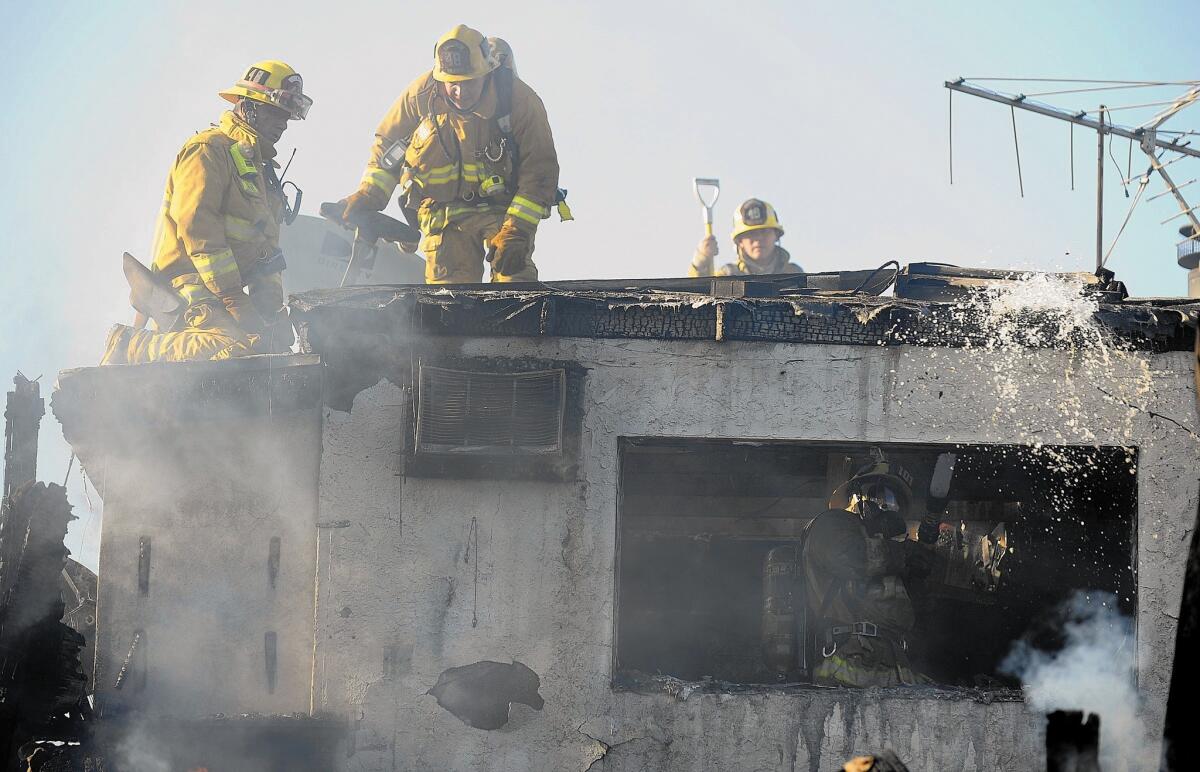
[{"x": 702, "y": 185}]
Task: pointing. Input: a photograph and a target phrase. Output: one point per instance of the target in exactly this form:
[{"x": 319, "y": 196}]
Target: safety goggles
[
  {"x": 293, "y": 102},
  {"x": 883, "y": 497}
]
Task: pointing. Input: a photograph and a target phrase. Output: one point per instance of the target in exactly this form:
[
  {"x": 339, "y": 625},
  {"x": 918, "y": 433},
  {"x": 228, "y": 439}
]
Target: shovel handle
[{"x": 713, "y": 185}]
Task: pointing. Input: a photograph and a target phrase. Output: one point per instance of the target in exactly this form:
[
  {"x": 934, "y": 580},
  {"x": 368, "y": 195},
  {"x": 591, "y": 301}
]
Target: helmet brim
[
  {"x": 738, "y": 234},
  {"x": 445, "y": 77}
]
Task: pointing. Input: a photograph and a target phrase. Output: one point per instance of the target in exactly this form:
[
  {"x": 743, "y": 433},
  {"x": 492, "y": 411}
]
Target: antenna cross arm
[{"x": 1081, "y": 119}]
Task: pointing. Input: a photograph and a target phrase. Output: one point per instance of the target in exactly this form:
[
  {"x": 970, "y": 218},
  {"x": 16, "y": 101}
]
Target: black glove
[
  {"x": 918, "y": 559},
  {"x": 927, "y": 532},
  {"x": 279, "y": 335}
]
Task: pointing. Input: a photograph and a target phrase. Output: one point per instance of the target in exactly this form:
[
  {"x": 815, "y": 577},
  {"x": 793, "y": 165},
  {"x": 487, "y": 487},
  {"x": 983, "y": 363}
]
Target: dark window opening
[{"x": 1024, "y": 529}]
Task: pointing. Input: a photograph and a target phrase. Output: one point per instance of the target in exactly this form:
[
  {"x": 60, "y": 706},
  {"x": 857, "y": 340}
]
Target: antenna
[{"x": 1146, "y": 135}]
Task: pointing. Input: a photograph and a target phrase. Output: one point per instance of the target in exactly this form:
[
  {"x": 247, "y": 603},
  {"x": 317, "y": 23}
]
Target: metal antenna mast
[{"x": 1145, "y": 135}]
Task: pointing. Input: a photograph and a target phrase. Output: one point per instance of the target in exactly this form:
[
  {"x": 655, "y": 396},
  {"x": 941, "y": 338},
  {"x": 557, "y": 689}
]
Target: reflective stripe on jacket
[
  {"x": 449, "y": 153},
  {"x": 218, "y": 215}
]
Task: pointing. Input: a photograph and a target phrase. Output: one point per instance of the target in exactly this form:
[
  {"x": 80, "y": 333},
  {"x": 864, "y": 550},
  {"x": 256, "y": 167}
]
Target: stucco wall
[
  {"x": 209, "y": 507},
  {"x": 407, "y": 588}
]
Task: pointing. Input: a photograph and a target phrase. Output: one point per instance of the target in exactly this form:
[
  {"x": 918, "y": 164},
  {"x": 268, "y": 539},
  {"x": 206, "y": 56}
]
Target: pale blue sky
[{"x": 834, "y": 112}]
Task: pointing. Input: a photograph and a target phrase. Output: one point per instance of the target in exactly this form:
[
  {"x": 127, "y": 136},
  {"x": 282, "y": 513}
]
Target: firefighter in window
[{"x": 855, "y": 563}]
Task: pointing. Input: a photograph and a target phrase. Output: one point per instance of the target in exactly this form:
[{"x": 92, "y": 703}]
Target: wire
[
  {"x": 1124, "y": 185},
  {"x": 1145, "y": 104},
  {"x": 1017, "y": 148},
  {"x": 1072, "y": 125},
  {"x": 951, "y": 134},
  {"x": 1145, "y": 180},
  {"x": 1086, "y": 80},
  {"x": 1102, "y": 88},
  {"x": 875, "y": 273}
]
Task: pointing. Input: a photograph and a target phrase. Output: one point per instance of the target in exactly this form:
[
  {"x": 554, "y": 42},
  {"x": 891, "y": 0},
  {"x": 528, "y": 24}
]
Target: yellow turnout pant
[
  {"x": 457, "y": 253},
  {"x": 210, "y": 333}
]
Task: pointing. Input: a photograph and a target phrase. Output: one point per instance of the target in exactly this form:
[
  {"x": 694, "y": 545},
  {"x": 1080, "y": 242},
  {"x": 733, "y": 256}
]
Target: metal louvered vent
[{"x": 488, "y": 413}]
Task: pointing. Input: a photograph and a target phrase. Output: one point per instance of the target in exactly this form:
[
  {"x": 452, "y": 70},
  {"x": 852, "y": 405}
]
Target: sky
[{"x": 833, "y": 112}]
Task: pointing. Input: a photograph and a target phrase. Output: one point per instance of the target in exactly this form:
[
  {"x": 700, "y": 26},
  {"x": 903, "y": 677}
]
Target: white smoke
[
  {"x": 1093, "y": 672},
  {"x": 136, "y": 752}
]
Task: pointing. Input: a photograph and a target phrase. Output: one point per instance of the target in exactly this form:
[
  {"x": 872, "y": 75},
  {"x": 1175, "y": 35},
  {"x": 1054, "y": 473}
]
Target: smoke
[
  {"x": 1092, "y": 670},
  {"x": 137, "y": 752}
]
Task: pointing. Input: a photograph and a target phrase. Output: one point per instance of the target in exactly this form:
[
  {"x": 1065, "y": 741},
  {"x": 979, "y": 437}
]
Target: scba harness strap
[{"x": 836, "y": 633}]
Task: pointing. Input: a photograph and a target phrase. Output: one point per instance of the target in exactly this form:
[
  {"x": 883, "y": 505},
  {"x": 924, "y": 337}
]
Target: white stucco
[{"x": 398, "y": 582}]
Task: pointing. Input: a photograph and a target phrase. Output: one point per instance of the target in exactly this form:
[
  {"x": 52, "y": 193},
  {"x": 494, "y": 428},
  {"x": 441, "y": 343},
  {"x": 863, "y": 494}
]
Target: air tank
[{"x": 783, "y": 615}]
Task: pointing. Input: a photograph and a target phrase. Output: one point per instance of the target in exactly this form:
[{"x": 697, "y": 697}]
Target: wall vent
[{"x": 489, "y": 413}]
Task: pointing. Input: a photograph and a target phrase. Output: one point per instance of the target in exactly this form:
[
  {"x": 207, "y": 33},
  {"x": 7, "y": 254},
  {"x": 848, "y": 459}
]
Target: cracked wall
[{"x": 424, "y": 574}]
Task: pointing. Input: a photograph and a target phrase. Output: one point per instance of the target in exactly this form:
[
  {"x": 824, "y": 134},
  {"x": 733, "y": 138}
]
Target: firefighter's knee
[{"x": 451, "y": 257}]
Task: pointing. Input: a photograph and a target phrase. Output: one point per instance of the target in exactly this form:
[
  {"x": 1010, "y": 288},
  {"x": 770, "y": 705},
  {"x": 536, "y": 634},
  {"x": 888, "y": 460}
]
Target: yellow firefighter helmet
[
  {"x": 752, "y": 215},
  {"x": 462, "y": 54},
  {"x": 879, "y": 472},
  {"x": 273, "y": 83}
]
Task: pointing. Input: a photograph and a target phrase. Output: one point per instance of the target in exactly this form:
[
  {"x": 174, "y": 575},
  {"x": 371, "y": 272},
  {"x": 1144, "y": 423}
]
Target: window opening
[{"x": 709, "y": 534}]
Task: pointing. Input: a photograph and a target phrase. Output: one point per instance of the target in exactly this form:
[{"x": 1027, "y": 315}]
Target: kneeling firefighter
[
  {"x": 469, "y": 145},
  {"x": 855, "y": 568},
  {"x": 217, "y": 242}
]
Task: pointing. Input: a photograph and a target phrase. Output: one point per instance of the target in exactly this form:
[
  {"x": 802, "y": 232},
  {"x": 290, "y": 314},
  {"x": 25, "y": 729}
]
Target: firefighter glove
[
  {"x": 927, "y": 532},
  {"x": 708, "y": 247},
  {"x": 509, "y": 249},
  {"x": 279, "y": 335},
  {"x": 359, "y": 201},
  {"x": 240, "y": 307},
  {"x": 918, "y": 559}
]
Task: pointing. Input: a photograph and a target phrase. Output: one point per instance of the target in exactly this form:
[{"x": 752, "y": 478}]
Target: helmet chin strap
[{"x": 247, "y": 110}]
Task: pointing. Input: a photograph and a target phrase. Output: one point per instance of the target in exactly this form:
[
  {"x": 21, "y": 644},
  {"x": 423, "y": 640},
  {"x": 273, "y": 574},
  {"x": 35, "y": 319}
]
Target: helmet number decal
[
  {"x": 454, "y": 58},
  {"x": 754, "y": 212},
  {"x": 257, "y": 75}
]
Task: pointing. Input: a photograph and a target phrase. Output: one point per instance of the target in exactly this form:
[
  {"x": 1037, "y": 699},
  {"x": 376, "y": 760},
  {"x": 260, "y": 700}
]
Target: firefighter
[
  {"x": 855, "y": 567},
  {"x": 469, "y": 146},
  {"x": 217, "y": 239},
  {"x": 756, "y": 234}
]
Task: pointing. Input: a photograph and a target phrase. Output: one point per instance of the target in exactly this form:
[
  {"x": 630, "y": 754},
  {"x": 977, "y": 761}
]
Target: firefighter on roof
[
  {"x": 756, "y": 234},
  {"x": 217, "y": 240},
  {"x": 468, "y": 145}
]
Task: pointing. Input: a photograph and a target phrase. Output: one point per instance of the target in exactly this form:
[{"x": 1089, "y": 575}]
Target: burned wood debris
[
  {"x": 42, "y": 682},
  {"x": 925, "y": 310}
]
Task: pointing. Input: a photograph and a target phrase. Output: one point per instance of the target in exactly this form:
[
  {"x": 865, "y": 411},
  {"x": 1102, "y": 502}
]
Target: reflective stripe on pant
[
  {"x": 863, "y": 662},
  {"x": 210, "y": 333},
  {"x": 456, "y": 254}
]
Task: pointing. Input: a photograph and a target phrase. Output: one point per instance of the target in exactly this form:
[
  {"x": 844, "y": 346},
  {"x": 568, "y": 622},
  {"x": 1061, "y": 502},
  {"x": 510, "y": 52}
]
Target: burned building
[{"x": 526, "y": 527}]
